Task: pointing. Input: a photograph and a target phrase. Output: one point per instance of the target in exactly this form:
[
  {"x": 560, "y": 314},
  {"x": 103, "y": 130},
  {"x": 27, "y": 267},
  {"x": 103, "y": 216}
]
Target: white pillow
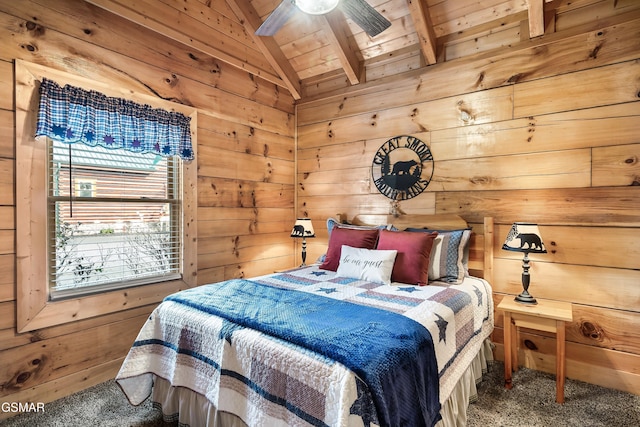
[{"x": 367, "y": 264}]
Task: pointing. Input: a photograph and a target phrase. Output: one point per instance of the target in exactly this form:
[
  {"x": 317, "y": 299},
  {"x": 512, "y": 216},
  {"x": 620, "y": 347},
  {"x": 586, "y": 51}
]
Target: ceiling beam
[
  {"x": 424, "y": 28},
  {"x": 249, "y": 17},
  {"x": 343, "y": 45},
  {"x": 536, "y": 17}
]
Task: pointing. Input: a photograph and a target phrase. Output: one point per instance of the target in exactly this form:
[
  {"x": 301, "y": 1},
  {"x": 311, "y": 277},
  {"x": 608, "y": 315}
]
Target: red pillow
[
  {"x": 347, "y": 236},
  {"x": 412, "y": 261}
]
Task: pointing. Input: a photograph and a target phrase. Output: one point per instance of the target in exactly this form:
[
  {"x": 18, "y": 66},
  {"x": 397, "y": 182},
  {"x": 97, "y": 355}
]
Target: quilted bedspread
[{"x": 206, "y": 339}]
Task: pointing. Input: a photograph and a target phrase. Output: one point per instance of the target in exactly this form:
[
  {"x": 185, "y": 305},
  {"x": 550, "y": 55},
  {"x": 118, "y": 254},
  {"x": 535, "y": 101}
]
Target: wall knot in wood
[{"x": 591, "y": 331}]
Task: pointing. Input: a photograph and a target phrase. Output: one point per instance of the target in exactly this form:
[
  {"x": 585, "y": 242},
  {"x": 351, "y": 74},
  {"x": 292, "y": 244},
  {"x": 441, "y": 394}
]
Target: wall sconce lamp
[
  {"x": 303, "y": 228},
  {"x": 525, "y": 237}
]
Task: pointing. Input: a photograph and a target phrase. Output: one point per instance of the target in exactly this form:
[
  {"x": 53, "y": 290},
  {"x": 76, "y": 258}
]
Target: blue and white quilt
[{"x": 307, "y": 347}]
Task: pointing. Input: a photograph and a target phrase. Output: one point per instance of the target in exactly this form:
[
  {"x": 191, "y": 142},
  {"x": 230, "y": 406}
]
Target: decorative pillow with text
[{"x": 367, "y": 264}]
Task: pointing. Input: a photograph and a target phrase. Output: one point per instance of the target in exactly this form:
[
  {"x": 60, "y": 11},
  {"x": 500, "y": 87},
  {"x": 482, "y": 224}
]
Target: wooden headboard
[{"x": 480, "y": 245}]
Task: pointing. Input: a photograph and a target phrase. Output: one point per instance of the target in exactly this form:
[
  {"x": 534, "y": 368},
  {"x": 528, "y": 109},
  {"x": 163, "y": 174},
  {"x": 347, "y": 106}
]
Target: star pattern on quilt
[
  {"x": 319, "y": 273},
  {"x": 328, "y": 290},
  {"x": 442, "y": 327},
  {"x": 409, "y": 289},
  {"x": 478, "y": 294},
  {"x": 362, "y": 406}
]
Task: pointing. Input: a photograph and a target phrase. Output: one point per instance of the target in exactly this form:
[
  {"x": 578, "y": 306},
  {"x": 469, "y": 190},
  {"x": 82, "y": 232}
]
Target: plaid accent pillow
[{"x": 449, "y": 255}]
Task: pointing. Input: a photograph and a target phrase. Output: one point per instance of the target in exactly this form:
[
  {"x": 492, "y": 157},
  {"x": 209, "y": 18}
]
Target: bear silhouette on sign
[{"x": 402, "y": 168}]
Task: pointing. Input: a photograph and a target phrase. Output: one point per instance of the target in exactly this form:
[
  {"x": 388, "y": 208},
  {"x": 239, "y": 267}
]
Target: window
[
  {"x": 122, "y": 233},
  {"x": 85, "y": 223}
]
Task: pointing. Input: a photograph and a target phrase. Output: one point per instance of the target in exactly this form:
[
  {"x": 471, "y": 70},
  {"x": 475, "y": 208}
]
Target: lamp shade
[
  {"x": 303, "y": 228},
  {"x": 524, "y": 237},
  {"x": 316, "y": 7}
]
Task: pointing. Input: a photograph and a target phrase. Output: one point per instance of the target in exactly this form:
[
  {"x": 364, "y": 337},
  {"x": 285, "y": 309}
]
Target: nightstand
[{"x": 548, "y": 316}]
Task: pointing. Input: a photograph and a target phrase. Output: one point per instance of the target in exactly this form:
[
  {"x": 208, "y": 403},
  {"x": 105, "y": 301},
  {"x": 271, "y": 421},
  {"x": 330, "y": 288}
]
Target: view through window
[{"x": 113, "y": 219}]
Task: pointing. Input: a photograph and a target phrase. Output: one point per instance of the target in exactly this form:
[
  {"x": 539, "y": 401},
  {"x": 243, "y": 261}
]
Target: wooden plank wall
[
  {"x": 246, "y": 176},
  {"x": 547, "y": 131}
]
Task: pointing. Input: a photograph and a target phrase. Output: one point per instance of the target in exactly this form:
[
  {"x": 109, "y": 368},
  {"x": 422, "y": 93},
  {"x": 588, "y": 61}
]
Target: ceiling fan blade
[
  {"x": 277, "y": 18},
  {"x": 367, "y": 18}
]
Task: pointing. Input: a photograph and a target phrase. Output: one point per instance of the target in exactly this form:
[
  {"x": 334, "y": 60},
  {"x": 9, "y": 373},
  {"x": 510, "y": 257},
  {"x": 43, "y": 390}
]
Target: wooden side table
[{"x": 548, "y": 316}]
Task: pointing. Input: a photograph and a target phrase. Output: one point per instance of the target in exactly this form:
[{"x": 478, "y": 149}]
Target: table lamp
[
  {"x": 303, "y": 228},
  {"x": 525, "y": 237}
]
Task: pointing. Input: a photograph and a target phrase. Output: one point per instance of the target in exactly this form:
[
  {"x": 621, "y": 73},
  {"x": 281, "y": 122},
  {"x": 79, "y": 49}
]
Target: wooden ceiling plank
[
  {"x": 268, "y": 46},
  {"x": 452, "y": 17},
  {"x": 422, "y": 21},
  {"x": 536, "y": 17},
  {"x": 338, "y": 35},
  {"x": 486, "y": 28},
  {"x": 162, "y": 27}
]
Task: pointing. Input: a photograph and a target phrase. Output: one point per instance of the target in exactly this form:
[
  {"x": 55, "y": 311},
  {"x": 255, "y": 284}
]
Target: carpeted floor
[{"x": 530, "y": 403}]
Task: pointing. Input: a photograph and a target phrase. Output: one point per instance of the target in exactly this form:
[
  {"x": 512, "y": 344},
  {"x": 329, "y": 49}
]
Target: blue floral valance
[{"x": 71, "y": 114}]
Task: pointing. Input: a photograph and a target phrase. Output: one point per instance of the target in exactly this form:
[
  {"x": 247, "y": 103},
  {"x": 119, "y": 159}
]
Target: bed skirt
[
  {"x": 454, "y": 409},
  {"x": 179, "y": 404}
]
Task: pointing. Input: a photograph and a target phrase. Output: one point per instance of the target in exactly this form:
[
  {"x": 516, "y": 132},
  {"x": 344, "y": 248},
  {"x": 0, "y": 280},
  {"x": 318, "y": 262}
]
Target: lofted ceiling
[
  {"x": 311, "y": 49},
  {"x": 316, "y": 45}
]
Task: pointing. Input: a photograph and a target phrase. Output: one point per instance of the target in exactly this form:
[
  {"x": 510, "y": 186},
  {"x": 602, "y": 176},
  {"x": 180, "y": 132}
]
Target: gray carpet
[{"x": 530, "y": 403}]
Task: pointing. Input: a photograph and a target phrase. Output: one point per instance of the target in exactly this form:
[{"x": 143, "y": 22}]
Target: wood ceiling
[{"x": 309, "y": 50}]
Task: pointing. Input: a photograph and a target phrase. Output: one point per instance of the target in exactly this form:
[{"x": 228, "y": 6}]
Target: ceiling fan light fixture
[{"x": 316, "y": 7}]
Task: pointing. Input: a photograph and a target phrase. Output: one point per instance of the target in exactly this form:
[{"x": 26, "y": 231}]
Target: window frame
[{"x": 34, "y": 308}]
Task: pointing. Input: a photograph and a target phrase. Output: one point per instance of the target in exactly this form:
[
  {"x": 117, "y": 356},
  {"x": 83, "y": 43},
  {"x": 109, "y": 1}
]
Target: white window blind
[{"x": 114, "y": 219}]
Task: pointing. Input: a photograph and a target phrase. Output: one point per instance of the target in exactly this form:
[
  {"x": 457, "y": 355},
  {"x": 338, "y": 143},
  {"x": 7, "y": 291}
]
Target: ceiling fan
[{"x": 363, "y": 14}]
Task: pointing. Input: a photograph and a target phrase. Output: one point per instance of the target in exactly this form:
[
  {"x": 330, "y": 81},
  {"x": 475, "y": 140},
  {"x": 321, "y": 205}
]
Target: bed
[{"x": 366, "y": 336}]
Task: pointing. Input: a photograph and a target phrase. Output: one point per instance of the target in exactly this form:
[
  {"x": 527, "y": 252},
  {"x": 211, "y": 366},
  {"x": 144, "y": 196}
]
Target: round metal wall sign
[{"x": 402, "y": 167}]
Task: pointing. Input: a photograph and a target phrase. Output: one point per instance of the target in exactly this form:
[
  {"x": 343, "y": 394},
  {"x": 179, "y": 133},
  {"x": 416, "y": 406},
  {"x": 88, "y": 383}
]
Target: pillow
[
  {"x": 334, "y": 223},
  {"x": 366, "y": 264},
  {"x": 347, "y": 236},
  {"x": 449, "y": 254},
  {"x": 412, "y": 261}
]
